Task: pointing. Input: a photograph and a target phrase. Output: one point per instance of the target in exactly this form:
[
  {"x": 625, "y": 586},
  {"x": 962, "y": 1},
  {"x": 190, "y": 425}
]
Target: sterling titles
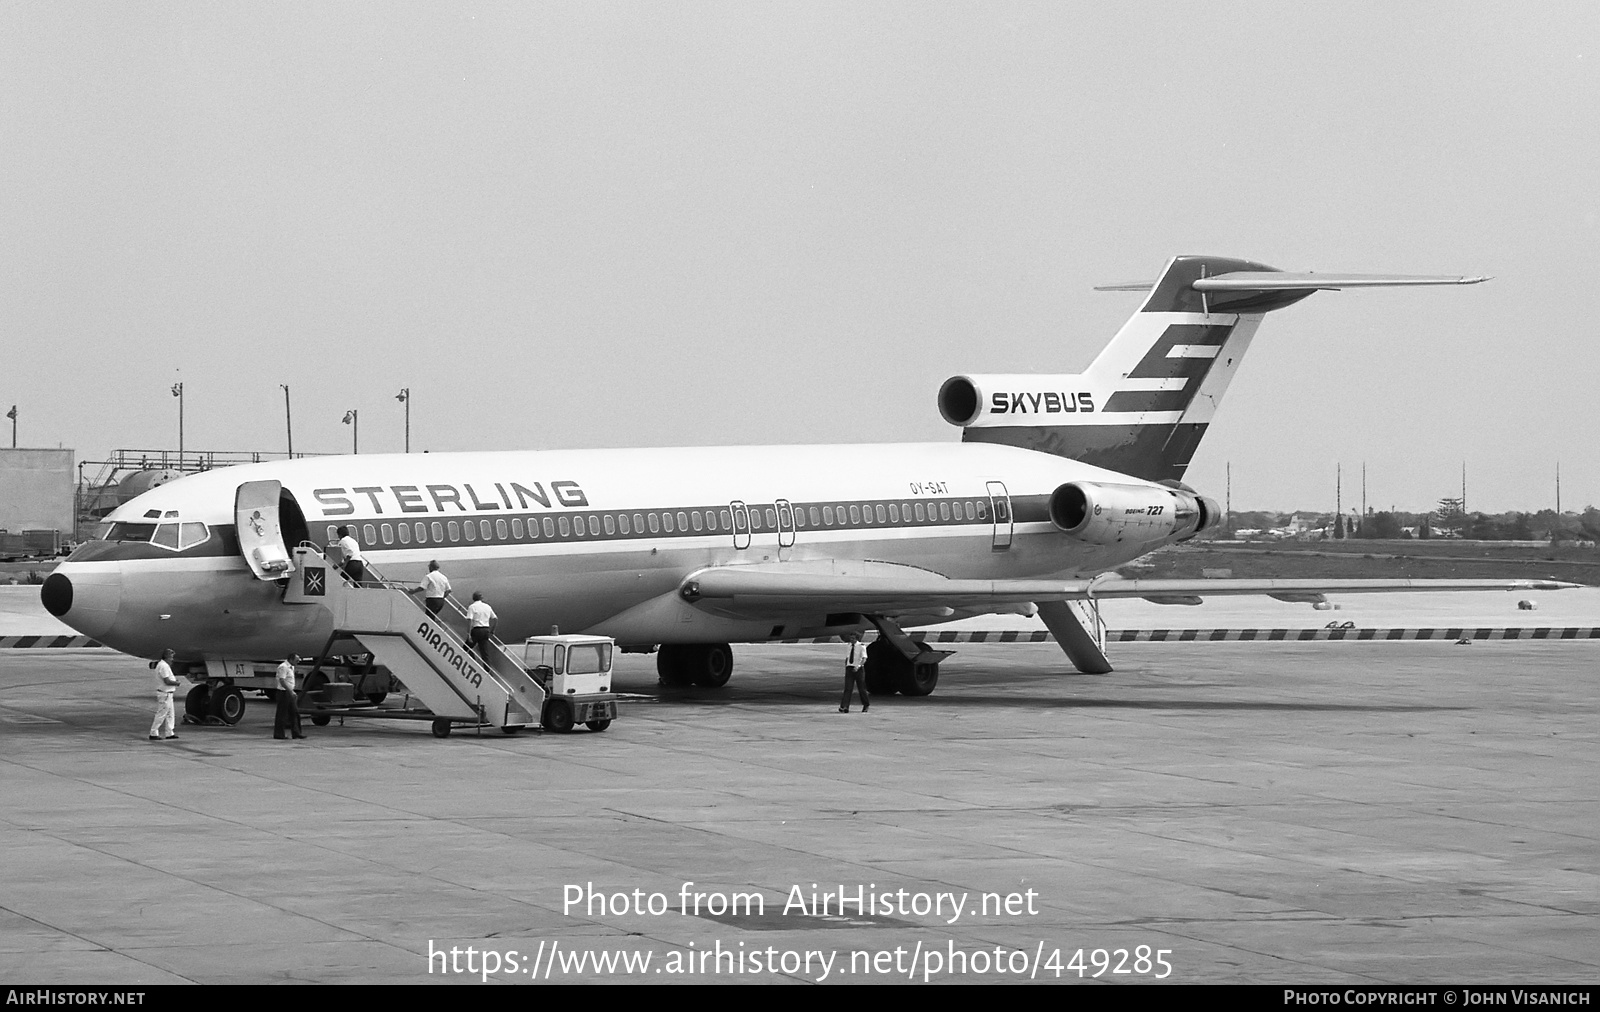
[{"x": 397, "y": 500}]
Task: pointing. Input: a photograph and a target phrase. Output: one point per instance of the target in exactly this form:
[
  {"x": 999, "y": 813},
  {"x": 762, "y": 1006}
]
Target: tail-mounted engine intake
[
  {"x": 1105, "y": 514},
  {"x": 1014, "y": 400}
]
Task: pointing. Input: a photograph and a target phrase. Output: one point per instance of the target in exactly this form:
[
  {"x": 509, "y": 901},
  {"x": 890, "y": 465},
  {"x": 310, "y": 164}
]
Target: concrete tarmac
[{"x": 1340, "y": 813}]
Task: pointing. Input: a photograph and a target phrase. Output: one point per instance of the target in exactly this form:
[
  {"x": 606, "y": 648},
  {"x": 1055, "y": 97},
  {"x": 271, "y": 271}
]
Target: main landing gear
[
  {"x": 220, "y": 703},
  {"x": 709, "y": 665},
  {"x": 889, "y": 671}
]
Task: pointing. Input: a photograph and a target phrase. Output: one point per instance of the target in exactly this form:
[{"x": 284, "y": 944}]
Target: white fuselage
[{"x": 592, "y": 541}]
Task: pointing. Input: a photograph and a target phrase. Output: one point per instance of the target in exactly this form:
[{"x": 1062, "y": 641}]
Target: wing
[{"x": 747, "y": 591}]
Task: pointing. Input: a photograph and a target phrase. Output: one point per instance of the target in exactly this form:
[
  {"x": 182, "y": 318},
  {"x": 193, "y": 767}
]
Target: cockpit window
[
  {"x": 174, "y": 536},
  {"x": 131, "y": 532}
]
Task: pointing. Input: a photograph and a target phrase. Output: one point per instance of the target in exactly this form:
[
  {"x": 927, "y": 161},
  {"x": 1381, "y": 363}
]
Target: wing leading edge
[{"x": 751, "y": 591}]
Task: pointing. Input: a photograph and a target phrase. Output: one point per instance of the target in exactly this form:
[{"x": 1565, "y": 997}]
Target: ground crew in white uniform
[
  {"x": 854, "y": 676},
  {"x": 166, "y": 685},
  {"x": 286, "y": 721},
  {"x": 481, "y": 619}
]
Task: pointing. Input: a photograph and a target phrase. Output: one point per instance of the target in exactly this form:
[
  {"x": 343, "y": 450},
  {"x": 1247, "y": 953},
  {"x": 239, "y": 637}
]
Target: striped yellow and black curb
[
  {"x": 1250, "y": 635},
  {"x": 70, "y": 642},
  {"x": 1112, "y": 636}
]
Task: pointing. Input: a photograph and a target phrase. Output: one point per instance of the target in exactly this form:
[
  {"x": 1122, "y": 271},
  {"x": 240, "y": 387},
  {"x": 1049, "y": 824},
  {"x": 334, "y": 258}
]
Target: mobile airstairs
[{"x": 427, "y": 652}]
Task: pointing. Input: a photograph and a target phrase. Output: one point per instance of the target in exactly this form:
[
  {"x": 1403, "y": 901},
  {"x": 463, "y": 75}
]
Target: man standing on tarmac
[
  {"x": 287, "y": 718},
  {"x": 854, "y": 678},
  {"x": 435, "y": 587},
  {"x": 166, "y": 685},
  {"x": 481, "y": 619}
]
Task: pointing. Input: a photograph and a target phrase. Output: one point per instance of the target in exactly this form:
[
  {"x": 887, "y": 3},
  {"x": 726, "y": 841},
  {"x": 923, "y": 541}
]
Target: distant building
[{"x": 36, "y": 489}]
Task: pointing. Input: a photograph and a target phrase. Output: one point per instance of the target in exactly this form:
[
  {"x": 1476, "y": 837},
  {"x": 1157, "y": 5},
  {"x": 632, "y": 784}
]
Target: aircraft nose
[{"x": 86, "y": 601}]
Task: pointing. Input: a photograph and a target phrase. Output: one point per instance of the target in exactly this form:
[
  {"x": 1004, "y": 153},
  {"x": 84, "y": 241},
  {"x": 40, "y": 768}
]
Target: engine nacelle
[
  {"x": 1105, "y": 514},
  {"x": 1015, "y": 400}
]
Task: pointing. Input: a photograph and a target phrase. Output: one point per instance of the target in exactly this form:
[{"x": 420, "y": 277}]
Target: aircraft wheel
[
  {"x": 441, "y": 727},
  {"x": 376, "y": 697},
  {"x": 320, "y": 719},
  {"x": 197, "y": 703},
  {"x": 670, "y": 665},
  {"x": 880, "y": 668},
  {"x": 558, "y": 716},
  {"x": 598, "y": 725},
  {"x": 227, "y": 704},
  {"x": 920, "y": 681},
  {"x": 713, "y": 664}
]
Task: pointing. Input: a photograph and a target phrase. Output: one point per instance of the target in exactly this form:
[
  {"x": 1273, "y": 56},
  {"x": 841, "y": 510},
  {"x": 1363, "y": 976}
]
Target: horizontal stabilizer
[{"x": 1279, "y": 281}]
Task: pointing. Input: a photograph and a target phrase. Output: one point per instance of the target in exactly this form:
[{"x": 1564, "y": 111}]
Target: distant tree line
[{"x": 1448, "y": 520}]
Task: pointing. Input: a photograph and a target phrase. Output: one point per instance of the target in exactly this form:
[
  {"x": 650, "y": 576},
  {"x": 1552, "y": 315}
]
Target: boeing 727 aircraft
[{"x": 1057, "y": 480}]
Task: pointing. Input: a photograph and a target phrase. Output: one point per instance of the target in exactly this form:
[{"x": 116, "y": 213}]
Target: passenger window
[
  {"x": 772, "y": 518},
  {"x": 516, "y": 528},
  {"x": 388, "y": 534},
  {"x": 666, "y": 522},
  {"x": 983, "y": 510},
  {"x": 470, "y": 529},
  {"x": 695, "y": 522},
  {"x": 483, "y": 528},
  {"x": 944, "y": 511},
  {"x": 566, "y": 527},
  {"x": 421, "y": 533},
  {"x": 816, "y": 516},
  {"x": 404, "y": 530},
  {"x": 610, "y": 524},
  {"x": 333, "y": 535},
  {"x": 549, "y": 528},
  {"x": 894, "y": 513},
  {"x": 500, "y": 529},
  {"x": 683, "y": 521},
  {"x": 193, "y": 534},
  {"x": 827, "y": 515},
  {"x": 438, "y": 532},
  {"x": 972, "y": 511},
  {"x": 726, "y": 516},
  {"x": 799, "y": 518},
  {"x": 655, "y": 524},
  {"x": 369, "y": 535},
  {"x": 622, "y": 523},
  {"x": 455, "y": 531},
  {"x": 922, "y": 513},
  {"x": 594, "y": 525},
  {"x": 755, "y": 519},
  {"x": 855, "y": 515},
  {"x": 883, "y": 516}
]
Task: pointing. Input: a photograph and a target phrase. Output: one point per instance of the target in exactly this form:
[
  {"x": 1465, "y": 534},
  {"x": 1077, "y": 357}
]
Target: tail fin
[{"x": 1145, "y": 402}]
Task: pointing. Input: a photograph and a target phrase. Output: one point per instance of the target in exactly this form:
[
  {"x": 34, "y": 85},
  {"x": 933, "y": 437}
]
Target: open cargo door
[{"x": 255, "y": 512}]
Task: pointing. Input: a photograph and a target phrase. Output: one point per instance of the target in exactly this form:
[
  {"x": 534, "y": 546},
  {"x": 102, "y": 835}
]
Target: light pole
[
  {"x": 404, "y": 397},
  {"x": 352, "y": 419},
  {"x": 177, "y": 391},
  {"x": 288, "y": 420}
]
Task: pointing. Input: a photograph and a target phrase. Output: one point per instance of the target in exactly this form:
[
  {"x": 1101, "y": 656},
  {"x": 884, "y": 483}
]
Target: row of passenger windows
[{"x": 714, "y": 521}]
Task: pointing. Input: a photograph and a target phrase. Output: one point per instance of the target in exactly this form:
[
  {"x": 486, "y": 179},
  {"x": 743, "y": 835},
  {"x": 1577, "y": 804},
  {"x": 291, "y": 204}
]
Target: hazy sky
[{"x": 588, "y": 224}]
